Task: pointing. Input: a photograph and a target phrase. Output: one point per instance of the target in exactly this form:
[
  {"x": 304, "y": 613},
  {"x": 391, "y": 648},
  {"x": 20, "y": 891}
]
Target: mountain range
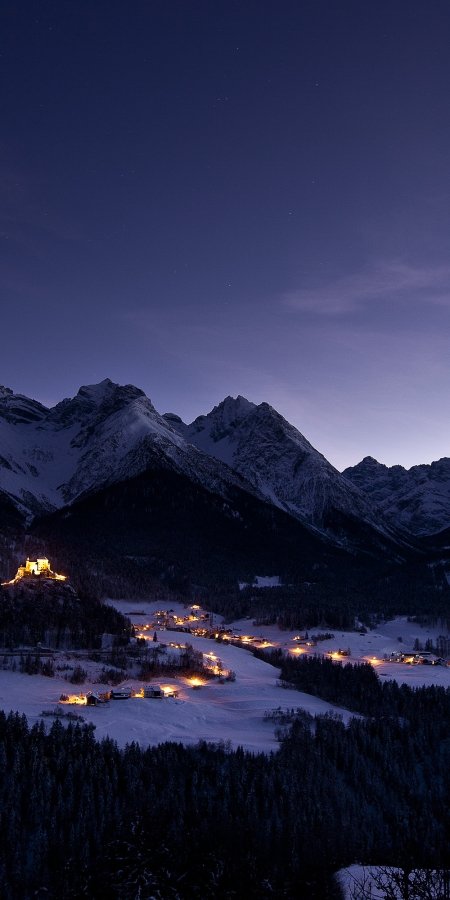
[
  {"x": 241, "y": 473},
  {"x": 416, "y": 499}
]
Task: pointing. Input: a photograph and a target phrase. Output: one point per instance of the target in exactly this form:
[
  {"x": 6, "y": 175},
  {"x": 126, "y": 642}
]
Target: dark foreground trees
[
  {"x": 393, "y": 883},
  {"x": 82, "y": 818}
]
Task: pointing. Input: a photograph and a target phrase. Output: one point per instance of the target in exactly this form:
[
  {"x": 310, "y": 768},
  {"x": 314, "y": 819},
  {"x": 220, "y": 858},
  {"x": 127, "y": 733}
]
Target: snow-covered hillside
[
  {"x": 417, "y": 499},
  {"x": 258, "y": 443},
  {"x": 107, "y": 433}
]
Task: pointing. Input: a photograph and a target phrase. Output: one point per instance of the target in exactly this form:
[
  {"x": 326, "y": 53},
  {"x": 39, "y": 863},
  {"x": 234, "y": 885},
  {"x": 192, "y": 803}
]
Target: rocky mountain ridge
[
  {"x": 416, "y": 499},
  {"x": 106, "y": 433},
  {"x": 271, "y": 454}
]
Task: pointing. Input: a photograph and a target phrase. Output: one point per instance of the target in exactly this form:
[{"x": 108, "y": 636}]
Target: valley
[
  {"x": 180, "y": 601},
  {"x": 206, "y": 708}
]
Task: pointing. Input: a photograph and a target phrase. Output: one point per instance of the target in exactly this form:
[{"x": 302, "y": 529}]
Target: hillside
[
  {"x": 132, "y": 503},
  {"x": 271, "y": 454}
]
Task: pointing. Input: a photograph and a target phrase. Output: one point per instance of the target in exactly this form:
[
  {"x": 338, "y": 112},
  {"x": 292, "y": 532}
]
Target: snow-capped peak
[
  {"x": 16, "y": 408},
  {"x": 417, "y": 499},
  {"x": 94, "y": 400},
  {"x": 270, "y": 453},
  {"x": 106, "y": 433},
  {"x": 110, "y": 432}
]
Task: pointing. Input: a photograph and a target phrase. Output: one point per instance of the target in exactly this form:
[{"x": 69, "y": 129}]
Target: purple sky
[{"x": 239, "y": 196}]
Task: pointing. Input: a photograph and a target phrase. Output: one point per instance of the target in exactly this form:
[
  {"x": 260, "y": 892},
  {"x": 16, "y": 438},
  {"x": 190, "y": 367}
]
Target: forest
[
  {"x": 84, "y": 819},
  {"x": 57, "y": 617}
]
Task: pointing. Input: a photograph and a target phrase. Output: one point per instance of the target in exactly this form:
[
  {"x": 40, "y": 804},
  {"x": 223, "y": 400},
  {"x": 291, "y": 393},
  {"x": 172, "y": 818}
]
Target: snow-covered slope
[
  {"x": 417, "y": 499},
  {"x": 258, "y": 443},
  {"x": 108, "y": 432}
]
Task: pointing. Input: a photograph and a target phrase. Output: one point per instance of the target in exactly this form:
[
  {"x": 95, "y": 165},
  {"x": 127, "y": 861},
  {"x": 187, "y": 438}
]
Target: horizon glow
[{"x": 229, "y": 200}]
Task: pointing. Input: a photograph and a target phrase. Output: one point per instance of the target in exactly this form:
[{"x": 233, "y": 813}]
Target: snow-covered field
[
  {"x": 370, "y": 647},
  {"x": 355, "y": 877},
  {"x": 232, "y": 711}
]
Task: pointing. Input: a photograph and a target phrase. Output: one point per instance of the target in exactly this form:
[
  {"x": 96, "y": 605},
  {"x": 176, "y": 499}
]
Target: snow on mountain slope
[
  {"x": 108, "y": 432},
  {"x": 417, "y": 499},
  {"x": 258, "y": 443},
  {"x": 34, "y": 458},
  {"x": 212, "y": 433}
]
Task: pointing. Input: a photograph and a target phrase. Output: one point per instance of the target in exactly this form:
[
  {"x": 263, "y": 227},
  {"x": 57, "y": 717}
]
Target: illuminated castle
[{"x": 40, "y": 568}]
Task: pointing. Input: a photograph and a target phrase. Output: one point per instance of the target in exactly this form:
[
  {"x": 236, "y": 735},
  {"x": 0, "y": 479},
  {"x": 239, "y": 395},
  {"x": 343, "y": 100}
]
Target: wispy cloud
[{"x": 388, "y": 281}]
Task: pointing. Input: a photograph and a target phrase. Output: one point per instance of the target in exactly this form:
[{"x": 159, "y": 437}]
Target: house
[
  {"x": 153, "y": 691},
  {"x": 121, "y": 693},
  {"x": 95, "y": 699},
  {"x": 92, "y": 699}
]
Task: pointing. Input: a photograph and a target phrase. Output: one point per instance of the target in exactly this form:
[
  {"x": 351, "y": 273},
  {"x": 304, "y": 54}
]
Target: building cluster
[
  {"x": 39, "y": 568},
  {"x": 421, "y": 658},
  {"x": 93, "y": 698}
]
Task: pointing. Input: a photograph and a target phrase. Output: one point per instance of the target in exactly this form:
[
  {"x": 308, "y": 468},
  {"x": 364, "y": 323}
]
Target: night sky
[{"x": 213, "y": 197}]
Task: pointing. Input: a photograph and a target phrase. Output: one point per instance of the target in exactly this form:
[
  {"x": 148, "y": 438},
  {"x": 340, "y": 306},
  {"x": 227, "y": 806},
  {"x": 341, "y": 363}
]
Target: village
[{"x": 207, "y": 682}]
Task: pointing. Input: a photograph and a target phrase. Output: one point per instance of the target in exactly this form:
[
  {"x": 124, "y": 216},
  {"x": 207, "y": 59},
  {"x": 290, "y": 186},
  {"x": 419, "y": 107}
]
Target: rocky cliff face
[
  {"x": 416, "y": 499},
  {"x": 259, "y": 444},
  {"x": 107, "y": 433}
]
